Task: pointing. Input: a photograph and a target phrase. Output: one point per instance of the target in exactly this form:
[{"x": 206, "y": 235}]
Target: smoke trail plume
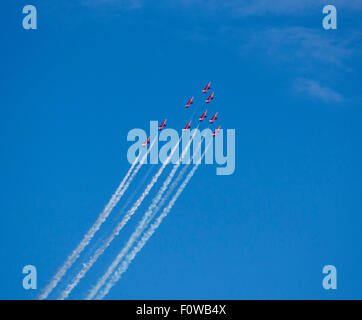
[
  {"x": 141, "y": 226},
  {"x": 88, "y": 265},
  {"x": 95, "y": 227},
  {"x": 124, "y": 266}
]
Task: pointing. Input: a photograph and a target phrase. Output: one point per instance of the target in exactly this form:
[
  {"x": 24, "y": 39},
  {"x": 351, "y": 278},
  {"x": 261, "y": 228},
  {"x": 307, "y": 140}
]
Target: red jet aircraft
[
  {"x": 214, "y": 117},
  {"x": 206, "y": 88},
  {"x": 162, "y": 125},
  {"x": 188, "y": 104},
  {"x": 146, "y": 142},
  {"x": 203, "y": 116},
  {"x": 188, "y": 126},
  {"x": 211, "y": 97},
  {"x": 216, "y": 131}
]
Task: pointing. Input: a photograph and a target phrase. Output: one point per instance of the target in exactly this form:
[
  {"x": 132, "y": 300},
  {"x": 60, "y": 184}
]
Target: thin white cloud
[
  {"x": 240, "y": 7},
  {"x": 316, "y": 90},
  {"x": 297, "y": 7},
  {"x": 311, "y": 55},
  {"x": 261, "y": 7},
  {"x": 308, "y": 53},
  {"x": 300, "y": 43},
  {"x": 123, "y": 4}
]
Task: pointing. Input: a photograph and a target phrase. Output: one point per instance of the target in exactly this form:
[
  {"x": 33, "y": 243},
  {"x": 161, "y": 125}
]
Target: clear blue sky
[{"x": 72, "y": 89}]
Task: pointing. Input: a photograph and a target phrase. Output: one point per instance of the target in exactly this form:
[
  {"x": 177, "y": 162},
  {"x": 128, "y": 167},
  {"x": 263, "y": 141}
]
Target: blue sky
[{"x": 93, "y": 70}]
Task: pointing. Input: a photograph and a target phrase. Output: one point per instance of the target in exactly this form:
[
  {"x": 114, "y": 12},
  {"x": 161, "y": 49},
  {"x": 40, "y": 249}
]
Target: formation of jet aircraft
[{"x": 201, "y": 118}]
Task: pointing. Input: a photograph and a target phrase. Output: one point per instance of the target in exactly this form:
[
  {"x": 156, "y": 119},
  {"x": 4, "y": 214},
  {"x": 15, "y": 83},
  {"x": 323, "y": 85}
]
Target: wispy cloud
[
  {"x": 296, "y": 7},
  {"x": 123, "y": 4},
  {"x": 301, "y": 43},
  {"x": 239, "y": 7},
  {"x": 311, "y": 55},
  {"x": 316, "y": 90},
  {"x": 261, "y": 7},
  {"x": 306, "y": 52}
]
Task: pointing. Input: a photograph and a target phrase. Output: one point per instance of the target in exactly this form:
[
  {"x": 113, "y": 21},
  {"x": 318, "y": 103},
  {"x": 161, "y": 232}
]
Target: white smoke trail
[
  {"x": 132, "y": 211},
  {"x": 88, "y": 265},
  {"x": 125, "y": 264},
  {"x": 96, "y": 226},
  {"x": 141, "y": 226}
]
